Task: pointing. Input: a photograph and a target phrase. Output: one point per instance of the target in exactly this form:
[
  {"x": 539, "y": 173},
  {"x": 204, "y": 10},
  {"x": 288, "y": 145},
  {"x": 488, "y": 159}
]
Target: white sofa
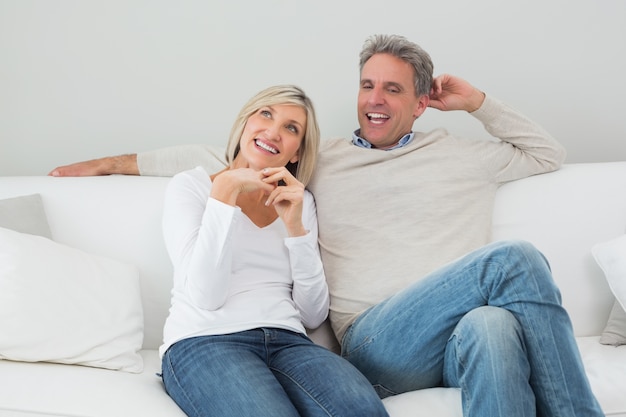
[{"x": 564, "y": 214}]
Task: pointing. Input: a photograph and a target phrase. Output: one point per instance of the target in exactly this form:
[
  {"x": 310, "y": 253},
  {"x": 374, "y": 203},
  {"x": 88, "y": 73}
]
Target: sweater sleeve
[
  {"x": 524, "y": 148},
  {"x": 169, "y": 161},
  {"x": 310, "y": 291},
  {"x": 197, "y": 231}
]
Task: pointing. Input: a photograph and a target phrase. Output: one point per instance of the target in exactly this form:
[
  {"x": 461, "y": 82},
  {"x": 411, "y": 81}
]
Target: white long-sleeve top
[{"x": 231, "y": 275}]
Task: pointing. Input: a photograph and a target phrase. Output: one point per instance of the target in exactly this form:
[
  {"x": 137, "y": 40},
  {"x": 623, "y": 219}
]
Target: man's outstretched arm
[
  {"x": 120, "y": 164},
  {"x": 162, "y": 162}
]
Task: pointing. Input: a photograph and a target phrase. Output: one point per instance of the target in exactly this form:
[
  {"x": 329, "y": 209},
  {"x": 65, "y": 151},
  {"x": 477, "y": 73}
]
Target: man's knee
[
  {"x": 519, "y": 249},
  {"x": 490, "y": 329},
  {"x": 487, "y": 347}
]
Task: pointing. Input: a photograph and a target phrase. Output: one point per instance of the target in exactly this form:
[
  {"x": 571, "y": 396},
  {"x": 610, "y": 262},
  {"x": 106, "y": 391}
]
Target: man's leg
[
  {"x": 400, "y": 344},
  {"x": 486, "y": 354}
]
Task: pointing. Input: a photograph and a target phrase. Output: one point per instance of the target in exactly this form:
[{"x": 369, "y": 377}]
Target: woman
[{"x": 248, "y": 277}]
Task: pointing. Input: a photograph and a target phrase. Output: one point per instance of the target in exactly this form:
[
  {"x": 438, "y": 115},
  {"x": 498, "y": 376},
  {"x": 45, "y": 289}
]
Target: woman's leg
[
  {"x": 224, "y": 376},
  {"x": 400, "y": 344},
  {"x": 318, "y": 381}
]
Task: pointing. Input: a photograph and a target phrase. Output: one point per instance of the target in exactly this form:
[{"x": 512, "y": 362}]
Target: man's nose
[{"x": 376, "y": 96}]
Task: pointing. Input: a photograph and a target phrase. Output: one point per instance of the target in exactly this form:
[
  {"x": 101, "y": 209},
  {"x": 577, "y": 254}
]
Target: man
[{"x": 418, "y": 297}]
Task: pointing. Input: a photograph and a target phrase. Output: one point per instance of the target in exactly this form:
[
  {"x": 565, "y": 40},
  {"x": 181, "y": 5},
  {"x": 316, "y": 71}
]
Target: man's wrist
[
  {"x": 476, "y": 101},
  {"x": 122, "y": 164}
]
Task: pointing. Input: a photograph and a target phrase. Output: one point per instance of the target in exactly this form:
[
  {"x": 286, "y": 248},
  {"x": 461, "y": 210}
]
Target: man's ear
[{"x": 421, "y": 106}]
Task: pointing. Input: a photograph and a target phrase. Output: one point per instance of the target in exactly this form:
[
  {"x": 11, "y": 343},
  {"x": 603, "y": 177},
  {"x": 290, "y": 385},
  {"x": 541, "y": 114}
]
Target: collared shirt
[{"x": 363, "y": 143}]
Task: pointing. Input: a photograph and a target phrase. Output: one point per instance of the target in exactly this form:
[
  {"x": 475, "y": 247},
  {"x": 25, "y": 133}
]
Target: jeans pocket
[{"x": 383, "y": 392}]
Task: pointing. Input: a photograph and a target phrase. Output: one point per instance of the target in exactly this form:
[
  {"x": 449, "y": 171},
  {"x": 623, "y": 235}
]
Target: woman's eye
[
  {"x": 265, "y": 113},
  {"x": 292, "y": 128}
]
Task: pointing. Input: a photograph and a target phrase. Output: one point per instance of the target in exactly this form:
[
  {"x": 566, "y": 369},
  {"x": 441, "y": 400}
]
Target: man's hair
[
  {"x": 271, "y": 96},
  {"x": 409, "y": 52}
]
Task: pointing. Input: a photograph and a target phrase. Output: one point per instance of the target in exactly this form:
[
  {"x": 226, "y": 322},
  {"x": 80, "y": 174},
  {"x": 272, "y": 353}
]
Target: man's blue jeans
[
  {"x": 265, "y": 372},
  {"x": 490, "y": 323}
]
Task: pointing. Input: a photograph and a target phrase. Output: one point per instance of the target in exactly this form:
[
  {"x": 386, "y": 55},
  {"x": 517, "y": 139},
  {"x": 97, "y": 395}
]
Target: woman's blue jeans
[
  {"x": 265, "y": 372},
  {"x": 490, "y": 323}
]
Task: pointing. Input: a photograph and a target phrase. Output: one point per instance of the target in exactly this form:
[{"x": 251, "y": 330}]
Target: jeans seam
[
  {"x": 302, "y": 389},
  {"x": 180, "y": 388},
  {"x": 366, "y": 340}
]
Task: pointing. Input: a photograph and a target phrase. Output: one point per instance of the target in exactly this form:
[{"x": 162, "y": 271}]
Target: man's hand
[
  {"x": 453, "y": 93},
  {"x": 121, "y": 164}
]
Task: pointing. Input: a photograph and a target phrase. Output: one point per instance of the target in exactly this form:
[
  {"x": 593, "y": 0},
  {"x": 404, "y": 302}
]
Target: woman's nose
[{"x": 272, "y": 132}]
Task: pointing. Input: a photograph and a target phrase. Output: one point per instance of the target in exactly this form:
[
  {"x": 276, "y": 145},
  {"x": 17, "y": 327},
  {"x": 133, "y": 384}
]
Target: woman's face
[{"x": 272, "y": 136}]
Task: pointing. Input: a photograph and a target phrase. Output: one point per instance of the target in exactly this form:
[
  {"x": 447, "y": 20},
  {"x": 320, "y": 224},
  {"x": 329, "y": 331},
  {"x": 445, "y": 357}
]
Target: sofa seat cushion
[
  {"x": 605, "y": 366},
  {"x": 46, "y": 389},
  {"x": 38, "y": 389},
  {"x": 440, "y": 402}
]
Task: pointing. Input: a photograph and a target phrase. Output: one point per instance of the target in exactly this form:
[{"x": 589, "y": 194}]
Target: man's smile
[{"x": 377, "y": 117}]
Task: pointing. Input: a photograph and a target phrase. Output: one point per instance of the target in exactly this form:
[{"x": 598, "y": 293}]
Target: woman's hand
[
  {"x": 228, "y": 184},
  {"x": 286, "y": 198}
]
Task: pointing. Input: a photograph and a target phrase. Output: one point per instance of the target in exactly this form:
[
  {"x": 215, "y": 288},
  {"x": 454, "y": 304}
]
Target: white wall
[{"x": 81, "y": 79}]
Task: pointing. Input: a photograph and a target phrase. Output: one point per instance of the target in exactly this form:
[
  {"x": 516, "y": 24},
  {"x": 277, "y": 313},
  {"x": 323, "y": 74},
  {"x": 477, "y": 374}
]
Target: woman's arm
[
  {"x": 197, "y": 232},
  {"x": 310, "y": 291}
]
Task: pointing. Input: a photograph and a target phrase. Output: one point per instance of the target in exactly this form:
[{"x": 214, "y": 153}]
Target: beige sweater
[{"x": 387, "y": 218}]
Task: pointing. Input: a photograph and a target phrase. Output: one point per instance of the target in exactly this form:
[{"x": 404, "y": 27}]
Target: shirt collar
[{"x": 363, "y": 143}]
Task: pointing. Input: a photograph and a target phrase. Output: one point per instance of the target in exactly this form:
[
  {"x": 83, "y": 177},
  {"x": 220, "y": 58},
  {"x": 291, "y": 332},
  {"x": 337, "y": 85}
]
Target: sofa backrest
[{"x": 563, "y": 213}]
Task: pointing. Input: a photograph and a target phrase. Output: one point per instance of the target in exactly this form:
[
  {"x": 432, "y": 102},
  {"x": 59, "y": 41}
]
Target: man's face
[{"x": 387, "y": 105}]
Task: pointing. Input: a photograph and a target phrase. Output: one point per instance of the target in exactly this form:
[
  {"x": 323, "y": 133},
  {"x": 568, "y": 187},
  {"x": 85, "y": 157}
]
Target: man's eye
[{"x": 393, "y": 90}]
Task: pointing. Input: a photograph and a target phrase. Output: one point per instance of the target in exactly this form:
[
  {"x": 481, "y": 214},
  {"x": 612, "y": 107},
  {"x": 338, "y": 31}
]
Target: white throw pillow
[
  {"x": 60, "y": 304},
  {"x": 611, "y": 257}
]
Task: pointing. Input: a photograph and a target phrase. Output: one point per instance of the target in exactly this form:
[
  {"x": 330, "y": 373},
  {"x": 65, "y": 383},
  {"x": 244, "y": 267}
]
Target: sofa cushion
[
  {"x": 605, "y": 367},
  {"x": 115, "y": 216},
  {"x": 25, "y": 214},
  {"x": 50, "y": 389},
  {"x": 60, "y": 304},
  {"x": 615, "y": 331},
  {"x": 611, "y": 257}
]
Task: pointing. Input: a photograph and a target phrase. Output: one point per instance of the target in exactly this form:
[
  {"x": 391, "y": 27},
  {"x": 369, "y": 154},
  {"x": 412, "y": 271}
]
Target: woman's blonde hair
[{"x": 271, "y": 96}]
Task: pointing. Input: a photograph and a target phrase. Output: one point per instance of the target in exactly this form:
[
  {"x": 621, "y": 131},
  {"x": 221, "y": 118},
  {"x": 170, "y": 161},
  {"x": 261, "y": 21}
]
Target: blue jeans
[
  {"x": 265, "y": 372},
  {"x": 490, "y": 323}
]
